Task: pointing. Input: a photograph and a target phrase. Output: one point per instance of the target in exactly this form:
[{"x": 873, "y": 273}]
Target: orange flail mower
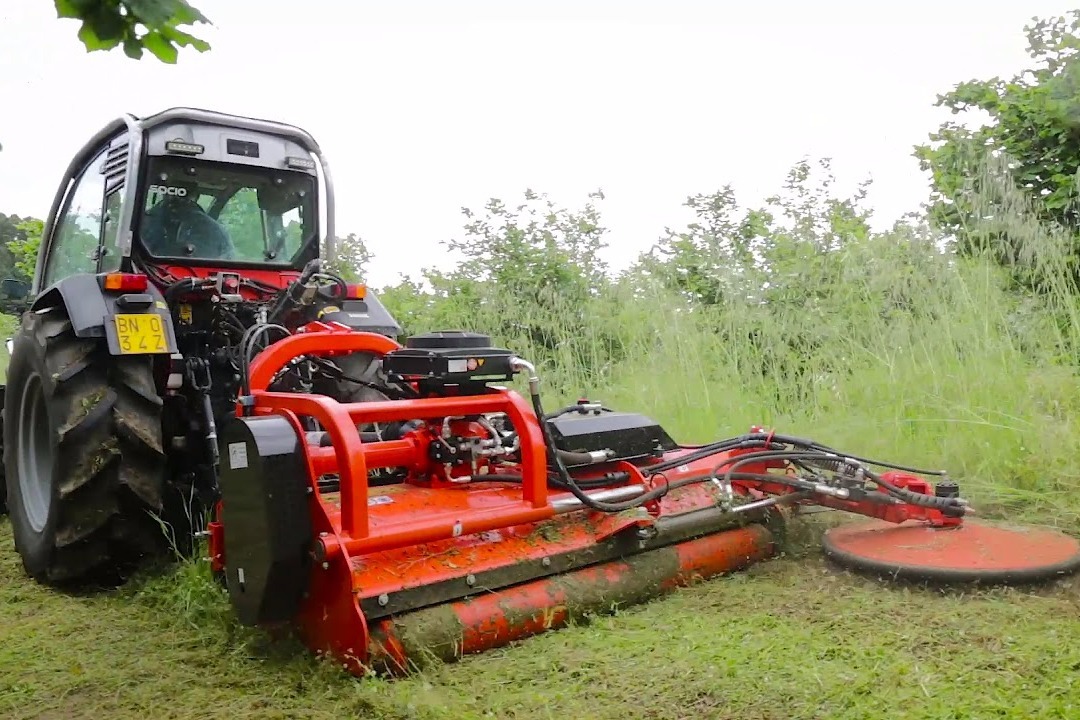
[
  {"x": 187, "y": 353},
  {"x": 501, "y": 521}
]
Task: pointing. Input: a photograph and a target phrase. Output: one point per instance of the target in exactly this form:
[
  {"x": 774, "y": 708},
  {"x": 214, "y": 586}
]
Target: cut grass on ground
[{"x": 791, "y": 638}]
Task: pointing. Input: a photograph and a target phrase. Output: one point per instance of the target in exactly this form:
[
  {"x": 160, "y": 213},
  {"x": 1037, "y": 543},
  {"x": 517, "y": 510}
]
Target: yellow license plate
[{"x": 140, "y": 334}]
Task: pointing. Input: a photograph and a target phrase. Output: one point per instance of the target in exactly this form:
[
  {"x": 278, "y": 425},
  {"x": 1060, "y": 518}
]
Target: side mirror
[{"x": 14, "y": 289}]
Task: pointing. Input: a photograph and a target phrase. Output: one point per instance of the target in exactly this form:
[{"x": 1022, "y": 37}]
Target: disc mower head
[{"x": 472, "y": 518}]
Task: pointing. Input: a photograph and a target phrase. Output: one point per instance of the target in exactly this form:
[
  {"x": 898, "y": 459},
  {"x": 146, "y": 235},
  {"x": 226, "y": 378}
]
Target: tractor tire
[{"x": 83, "y": 458}]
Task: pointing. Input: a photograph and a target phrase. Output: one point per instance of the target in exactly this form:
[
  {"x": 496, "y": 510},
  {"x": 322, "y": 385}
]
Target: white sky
[{"x": 424, "y": 107}]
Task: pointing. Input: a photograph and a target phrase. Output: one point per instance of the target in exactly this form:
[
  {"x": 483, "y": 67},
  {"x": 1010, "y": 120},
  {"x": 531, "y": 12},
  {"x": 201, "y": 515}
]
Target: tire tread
[{"x": 110, "y": 452}]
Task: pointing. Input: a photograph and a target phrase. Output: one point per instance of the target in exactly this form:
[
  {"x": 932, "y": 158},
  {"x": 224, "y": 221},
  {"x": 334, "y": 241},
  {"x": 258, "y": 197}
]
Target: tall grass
[{"x": 888, "y": 346}]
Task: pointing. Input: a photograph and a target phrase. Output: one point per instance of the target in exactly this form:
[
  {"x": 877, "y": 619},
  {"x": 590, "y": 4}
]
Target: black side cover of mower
[{"x": 268, "y": 530}]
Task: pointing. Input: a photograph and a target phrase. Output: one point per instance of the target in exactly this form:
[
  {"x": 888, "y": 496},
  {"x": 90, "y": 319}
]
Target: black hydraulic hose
[
  {"x": 949, "y": 504},
  {"x": 247, "y": 341},
  {"x": 822, "y": 454},
  {"x": 594, "y": 483},
  {"x": 290, "y": 297},
  {"x": 569, "y": 481},
  {"x": 577, "y": 458},
  {"x": 884, "y": 463},
  {"x": 184, "y": 285},
  {"x": 771, "y": 439},
  {"x": 705, "y": 451}
]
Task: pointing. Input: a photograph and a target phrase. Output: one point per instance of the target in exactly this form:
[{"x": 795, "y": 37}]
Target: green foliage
[
  {"x": 19, "y": 240},
  {"x": 24, "y": 246},
  {"x": 730, "y": 253},
  {"x": 1030, "y": 131},
  {"x": 527, "y": 273},
  {"x": 135, "y": 25},
  {"x": 351, "y": 258}
]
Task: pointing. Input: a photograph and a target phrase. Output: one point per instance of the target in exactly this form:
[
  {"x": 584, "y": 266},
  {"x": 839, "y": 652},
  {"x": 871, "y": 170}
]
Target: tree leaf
[
  {"x": 109, "y": 23},
  {"x": 153, "y": 13},
  {"x": 67, "y": 9},
  {"x": 161, "y": 48},
  {"x": 133, "y": 48},
  {"x": 90, "y": 39}
]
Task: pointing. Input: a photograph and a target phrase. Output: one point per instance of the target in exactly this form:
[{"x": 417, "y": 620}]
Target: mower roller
[{"x": 189, "y": 365}]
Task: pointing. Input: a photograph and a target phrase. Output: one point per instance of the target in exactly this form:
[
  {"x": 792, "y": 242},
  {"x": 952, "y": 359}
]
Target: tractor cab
[{"x": 192, "y": 190}]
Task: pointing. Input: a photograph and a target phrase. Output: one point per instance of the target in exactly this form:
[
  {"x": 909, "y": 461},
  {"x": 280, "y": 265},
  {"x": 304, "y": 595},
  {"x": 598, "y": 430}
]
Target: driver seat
[{"x": 179, "y": 227}]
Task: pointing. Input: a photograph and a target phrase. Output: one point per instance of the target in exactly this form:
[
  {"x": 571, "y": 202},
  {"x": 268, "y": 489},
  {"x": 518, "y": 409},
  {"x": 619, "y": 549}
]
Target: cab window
[
  {"x": 212, "y": 211},
  {"x": 75, "y": 242}
]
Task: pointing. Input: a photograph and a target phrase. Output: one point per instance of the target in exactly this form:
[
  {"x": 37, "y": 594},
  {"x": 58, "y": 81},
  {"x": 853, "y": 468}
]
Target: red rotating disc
[{"x": 969, "y": 553}]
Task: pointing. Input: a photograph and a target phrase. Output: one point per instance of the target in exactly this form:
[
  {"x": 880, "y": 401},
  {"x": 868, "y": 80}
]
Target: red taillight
[
  {"x": 355, "y": 292},
  {"x": 125, "y": 282}
]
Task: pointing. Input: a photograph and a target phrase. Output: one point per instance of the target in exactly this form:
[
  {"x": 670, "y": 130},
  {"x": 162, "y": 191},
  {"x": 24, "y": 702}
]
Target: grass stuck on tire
[{"x": 83, "y": 462}]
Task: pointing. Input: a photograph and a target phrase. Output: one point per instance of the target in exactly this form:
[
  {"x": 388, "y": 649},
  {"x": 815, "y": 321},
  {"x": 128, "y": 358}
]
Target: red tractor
[
  {"x": 187, "y": 367},
  {"x": 176, "y": 246}
]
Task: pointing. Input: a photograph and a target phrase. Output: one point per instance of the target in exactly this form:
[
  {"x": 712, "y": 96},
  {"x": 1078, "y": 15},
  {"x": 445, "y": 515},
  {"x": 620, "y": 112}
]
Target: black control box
[
  {"x": 629, "y": 435},
  {"x": 449, "y": 358}
]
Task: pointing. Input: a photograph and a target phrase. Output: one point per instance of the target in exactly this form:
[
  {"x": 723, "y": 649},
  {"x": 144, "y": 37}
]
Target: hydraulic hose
[
  {"x": 560, "y": 468},
  {"x": 945, "y": 504},
  {"x": 583, "y": 458}
]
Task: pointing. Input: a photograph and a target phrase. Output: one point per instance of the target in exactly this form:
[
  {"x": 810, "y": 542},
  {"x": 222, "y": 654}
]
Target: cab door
[{"x": 74, "y": 244}]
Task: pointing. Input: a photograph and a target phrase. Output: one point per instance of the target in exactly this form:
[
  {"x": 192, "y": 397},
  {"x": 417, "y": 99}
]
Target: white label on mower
[
  {"x": 238, "y": 455},
  {"x": 457, "y": 528},
  {"x": 380, "y": 500},
  {"x": 459, "y": 365},
  {"x": 683, "y": 468}
]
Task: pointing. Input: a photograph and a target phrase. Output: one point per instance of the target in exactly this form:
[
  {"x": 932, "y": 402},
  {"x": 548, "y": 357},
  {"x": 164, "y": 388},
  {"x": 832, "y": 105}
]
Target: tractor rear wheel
[{"x": 82, "y": 454}]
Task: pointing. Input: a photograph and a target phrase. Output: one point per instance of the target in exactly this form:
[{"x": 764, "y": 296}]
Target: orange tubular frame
[{"x": 349, "y": 457}]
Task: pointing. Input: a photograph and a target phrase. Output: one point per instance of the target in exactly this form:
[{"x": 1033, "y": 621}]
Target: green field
[{"x": 790, "y": 638}]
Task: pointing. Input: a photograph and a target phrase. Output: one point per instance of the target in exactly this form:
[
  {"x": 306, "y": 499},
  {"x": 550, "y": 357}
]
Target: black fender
[
  {"x": 92, "y": 309},
  {"x": 365, "y": 313}
]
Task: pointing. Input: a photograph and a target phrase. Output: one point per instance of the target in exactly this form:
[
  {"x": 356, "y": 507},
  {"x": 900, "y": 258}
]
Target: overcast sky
[{"x": 424, "y": 107}]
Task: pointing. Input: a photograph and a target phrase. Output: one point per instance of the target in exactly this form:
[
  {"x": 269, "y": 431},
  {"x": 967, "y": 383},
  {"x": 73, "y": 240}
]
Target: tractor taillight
[
  {"x": 355, "y": 292},
  {"x": 125, "y": 282}
]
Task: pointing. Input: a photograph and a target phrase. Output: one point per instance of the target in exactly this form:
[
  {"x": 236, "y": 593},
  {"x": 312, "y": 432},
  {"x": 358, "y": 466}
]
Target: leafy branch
[{"x": 136, "y": 25}]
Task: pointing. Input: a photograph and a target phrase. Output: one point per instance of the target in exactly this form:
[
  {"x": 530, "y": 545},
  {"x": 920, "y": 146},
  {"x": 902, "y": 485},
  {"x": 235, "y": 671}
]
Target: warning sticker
[
  {"x": 380, "y": 500},
  {"x": 238, "y": 456}
]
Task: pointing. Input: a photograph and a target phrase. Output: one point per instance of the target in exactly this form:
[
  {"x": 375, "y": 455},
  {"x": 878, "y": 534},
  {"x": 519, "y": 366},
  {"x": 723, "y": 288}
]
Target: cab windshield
[{"x": 210, "y": 211}]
